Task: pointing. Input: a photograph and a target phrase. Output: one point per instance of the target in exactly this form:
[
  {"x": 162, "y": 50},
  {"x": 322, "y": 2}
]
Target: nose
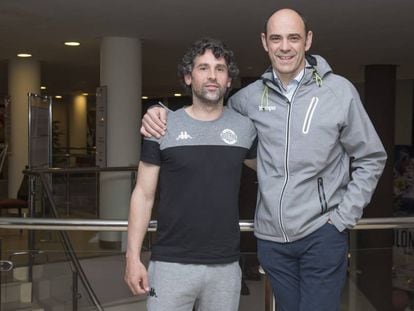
[
  {"x": 212, "y": 74},
  {"x": 284, "y": 45}
]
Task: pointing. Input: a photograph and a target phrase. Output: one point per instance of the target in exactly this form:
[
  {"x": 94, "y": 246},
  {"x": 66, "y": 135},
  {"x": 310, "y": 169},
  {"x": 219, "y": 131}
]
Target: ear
[
  {"x": 229, "y": 82},
  {"x": 187, "y": 79},
  {"x": 308, "y": 41},
  {"x": 264, "y": 42}
]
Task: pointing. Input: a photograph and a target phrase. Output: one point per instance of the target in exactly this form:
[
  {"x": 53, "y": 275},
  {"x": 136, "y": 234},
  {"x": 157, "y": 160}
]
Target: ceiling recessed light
[
  {"x": 43, "y": 87},
  {"x": 24, "y": 55},
  {"x": 144, "y": 97},
  {"x": 72, "y": 43},
  {"x": 58, "y": 96},
  {"x": 85, "y": 94},
  {"x": 177, "y": 94}
]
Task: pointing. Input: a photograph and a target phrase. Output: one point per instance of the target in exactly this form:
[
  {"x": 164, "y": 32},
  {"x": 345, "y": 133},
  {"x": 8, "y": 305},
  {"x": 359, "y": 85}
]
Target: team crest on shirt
[{"x": 228, "y": 136}]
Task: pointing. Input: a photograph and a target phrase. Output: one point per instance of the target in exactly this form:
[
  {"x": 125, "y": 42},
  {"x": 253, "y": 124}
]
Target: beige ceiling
[{"x": 350, "y": 34}]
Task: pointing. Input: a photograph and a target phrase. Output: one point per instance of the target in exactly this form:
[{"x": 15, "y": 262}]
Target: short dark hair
[
  {"x": 217, "y": 47},
  {"x": 304, "y": 20}
]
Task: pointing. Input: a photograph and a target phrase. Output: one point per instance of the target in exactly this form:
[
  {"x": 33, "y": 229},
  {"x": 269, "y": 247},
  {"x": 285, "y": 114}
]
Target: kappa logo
[
  {"x": 228, "y": 136},
  {"x": 152, "y": 292},
  {"x": 183, "y": 136}
]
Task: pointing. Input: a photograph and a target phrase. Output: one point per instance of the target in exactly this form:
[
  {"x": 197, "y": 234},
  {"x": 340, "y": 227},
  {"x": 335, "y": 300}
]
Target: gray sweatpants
[{"x": 179, "y": 287}]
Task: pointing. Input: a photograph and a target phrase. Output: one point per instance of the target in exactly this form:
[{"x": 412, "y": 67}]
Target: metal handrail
[
  {"x": 122, "y": 225},
  {"x": 75, "y": 170}
]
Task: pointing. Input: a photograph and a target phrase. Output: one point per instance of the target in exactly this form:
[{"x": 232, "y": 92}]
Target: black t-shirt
[{"x": 201, "y": 164}]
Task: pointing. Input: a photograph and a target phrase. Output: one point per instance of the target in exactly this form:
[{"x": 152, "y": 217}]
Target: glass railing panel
[
  {"x": 53, "y": 277},
  {"x": 75, "y": 195},
  {"x": 381, "y": 271},
  {"x": 73, "y": 157},
  {"x": 37, "y": 283},
  {"x": 380, "y": 274},
  {"x": 85, "y": 243},
  {"x": 52, "y": 284},
  {"x": 82, "y": 193},
  {"x": 403, "y": 268}
]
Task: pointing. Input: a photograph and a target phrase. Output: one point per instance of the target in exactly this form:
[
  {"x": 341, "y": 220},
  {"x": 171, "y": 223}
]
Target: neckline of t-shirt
[{"x": 203, "y": 121}]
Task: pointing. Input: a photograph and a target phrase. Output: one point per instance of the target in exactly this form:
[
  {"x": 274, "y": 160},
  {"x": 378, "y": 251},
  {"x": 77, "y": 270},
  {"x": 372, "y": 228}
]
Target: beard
[{"x": 209, "y": 97}]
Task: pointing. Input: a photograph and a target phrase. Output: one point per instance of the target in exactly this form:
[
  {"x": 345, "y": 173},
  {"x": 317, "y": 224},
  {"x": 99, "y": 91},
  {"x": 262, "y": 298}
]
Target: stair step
[
  {"x": 16, "y": 291},
  {"x": 21, "y": 273},
  {"x": 19, "y": 306}
]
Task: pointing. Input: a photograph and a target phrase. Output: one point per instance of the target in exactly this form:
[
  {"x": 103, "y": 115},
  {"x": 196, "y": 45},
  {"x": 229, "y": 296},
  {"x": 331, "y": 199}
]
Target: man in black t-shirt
[{"x": 194, "y": 262}]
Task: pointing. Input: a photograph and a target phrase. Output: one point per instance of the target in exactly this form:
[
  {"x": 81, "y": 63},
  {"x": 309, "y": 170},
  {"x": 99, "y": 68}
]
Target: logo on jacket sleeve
[{"x": 228, "y": 136}]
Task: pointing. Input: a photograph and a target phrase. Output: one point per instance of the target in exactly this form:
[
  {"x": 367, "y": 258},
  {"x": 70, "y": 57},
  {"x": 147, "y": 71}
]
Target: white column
[
  {"x": 121, "y": 73},
  {"x": 24, "y": 77}
]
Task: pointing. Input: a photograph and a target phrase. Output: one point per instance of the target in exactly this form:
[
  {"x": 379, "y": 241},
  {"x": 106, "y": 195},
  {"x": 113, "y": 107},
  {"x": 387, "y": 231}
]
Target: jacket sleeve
[{"x": 361, "y": 142}]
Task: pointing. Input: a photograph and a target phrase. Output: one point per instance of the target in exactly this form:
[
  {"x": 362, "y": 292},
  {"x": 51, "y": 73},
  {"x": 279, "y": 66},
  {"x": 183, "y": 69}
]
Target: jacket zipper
[
  {"x": 285, "y": 236},
  {"x": 282, "y": 227},
  {"x": 322, "y": 197}
]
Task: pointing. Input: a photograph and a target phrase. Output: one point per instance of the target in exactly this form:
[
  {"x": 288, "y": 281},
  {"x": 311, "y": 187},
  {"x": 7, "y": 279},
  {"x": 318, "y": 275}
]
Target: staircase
[{"x": 16, "y": 294}]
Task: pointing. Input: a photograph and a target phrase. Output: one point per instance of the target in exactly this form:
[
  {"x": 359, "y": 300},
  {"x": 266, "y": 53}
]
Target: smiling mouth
[{"x": 285, "y": 58}]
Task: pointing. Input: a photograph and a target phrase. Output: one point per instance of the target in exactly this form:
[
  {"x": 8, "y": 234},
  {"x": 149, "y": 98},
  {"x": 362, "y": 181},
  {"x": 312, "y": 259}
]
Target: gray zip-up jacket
[{"x": 304, "y": 153}]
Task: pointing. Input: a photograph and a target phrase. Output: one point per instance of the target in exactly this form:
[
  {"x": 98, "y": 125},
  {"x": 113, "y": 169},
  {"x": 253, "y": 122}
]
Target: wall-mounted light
[
  {"x": 178, "y": 94},
  {"x": 43, "y": 87},
  {"x": 144, "y": 97},
  {"x": 58, "y": 96}
]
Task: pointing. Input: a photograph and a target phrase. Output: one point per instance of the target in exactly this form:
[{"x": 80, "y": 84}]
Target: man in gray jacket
[{"x": 311, "y": 125}]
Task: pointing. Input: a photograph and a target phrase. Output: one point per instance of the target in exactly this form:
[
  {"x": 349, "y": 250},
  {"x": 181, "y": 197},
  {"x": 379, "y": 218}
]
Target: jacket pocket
[
  {"x": 309, "y": 115},
  {"x": 322, "y": 197}
]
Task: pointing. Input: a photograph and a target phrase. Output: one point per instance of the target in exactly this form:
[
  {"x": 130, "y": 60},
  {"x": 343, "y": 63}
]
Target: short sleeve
[{"x": 150, "y": 152}]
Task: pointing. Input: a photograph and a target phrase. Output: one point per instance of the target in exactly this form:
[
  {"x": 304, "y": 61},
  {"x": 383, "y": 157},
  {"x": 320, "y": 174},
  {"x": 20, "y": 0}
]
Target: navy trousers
[{"x": 307, "y": 274}]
